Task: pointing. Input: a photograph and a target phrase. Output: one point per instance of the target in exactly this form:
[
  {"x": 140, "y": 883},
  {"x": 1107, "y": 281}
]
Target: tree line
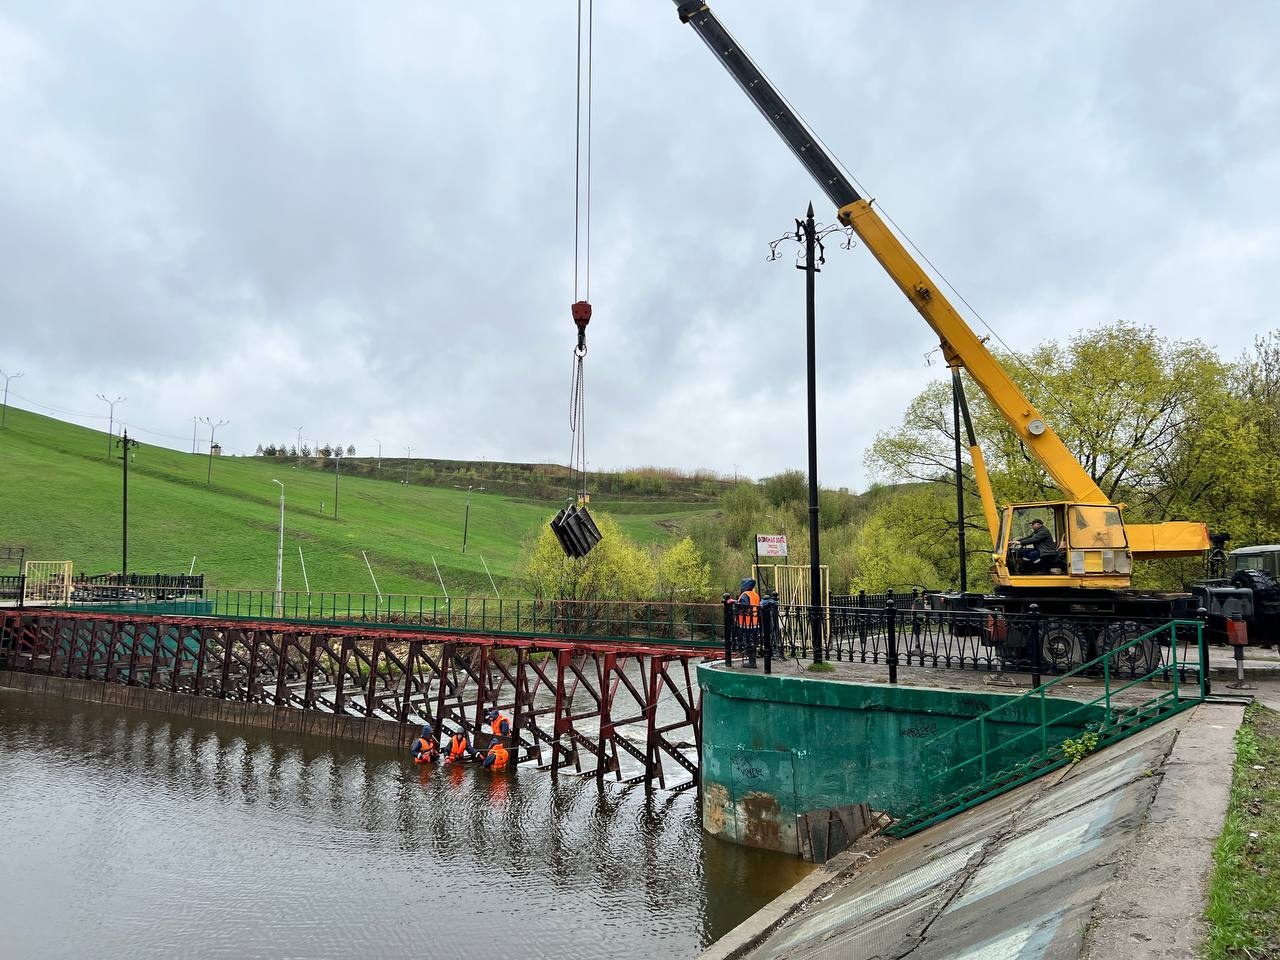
[{"x": 324, "y": 452}]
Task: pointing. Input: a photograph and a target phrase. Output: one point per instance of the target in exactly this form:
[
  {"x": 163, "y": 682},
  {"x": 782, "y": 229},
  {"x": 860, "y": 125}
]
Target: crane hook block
[{"x": 581, "y": 316}]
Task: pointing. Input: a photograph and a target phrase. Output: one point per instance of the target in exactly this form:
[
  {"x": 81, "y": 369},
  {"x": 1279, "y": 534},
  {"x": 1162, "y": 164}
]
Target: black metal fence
[
  {"x": 11, "y": 587},
  {"x": 106, "y": 587},
  {"x": 986, "y": 641}
]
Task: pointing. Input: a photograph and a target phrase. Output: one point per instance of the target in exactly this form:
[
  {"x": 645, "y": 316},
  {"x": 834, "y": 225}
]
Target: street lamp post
[
  {"x": 279, "y": 604},
  {"x": 212, "y": 427},
  {"x": 408, "y": 455},
  {"x": 125, "y": 444},
  {"x": 809, "y": 234},
  {"x": 111, "y": 418},
  {"x": 337, "y": 472},
  {"x": 5, "y": 408},
  {"x": 379, "y": 443},
  {"x": 466, "y": 518}
]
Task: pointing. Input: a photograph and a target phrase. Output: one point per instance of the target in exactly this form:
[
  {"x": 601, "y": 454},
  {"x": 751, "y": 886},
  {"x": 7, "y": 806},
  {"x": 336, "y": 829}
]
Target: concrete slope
[{"x": 1104, "y": 859}]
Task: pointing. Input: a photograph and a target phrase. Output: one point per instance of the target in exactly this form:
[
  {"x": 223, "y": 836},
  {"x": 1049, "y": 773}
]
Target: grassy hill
[{"x": 60, "y": 498}]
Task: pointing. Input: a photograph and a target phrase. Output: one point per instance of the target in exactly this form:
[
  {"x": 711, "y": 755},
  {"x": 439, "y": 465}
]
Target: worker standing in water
[
  {"x": 457, "y": 749},
  {"x": 424, "y": 747},
  {"x": 500, "y": 725},
  {"x": 496, "y": 758}
]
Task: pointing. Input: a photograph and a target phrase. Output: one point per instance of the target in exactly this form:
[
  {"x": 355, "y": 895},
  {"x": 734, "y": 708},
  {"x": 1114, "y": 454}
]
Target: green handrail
[{"x": 1114, "y": 726}]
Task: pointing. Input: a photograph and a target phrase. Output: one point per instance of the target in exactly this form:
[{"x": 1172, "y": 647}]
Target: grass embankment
[
  {"x": 1244, "y": 892},
  {"x": 60, "y": 498}
]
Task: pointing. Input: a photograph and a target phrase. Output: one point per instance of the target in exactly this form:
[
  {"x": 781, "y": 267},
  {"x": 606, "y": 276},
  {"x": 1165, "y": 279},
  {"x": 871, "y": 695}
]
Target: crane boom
[{"x": 960, "y": 344}]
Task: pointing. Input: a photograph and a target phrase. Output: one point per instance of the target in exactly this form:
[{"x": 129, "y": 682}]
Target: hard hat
[
  {"x": 491, "y": 714},
  {"x": 747, "y": 584}
]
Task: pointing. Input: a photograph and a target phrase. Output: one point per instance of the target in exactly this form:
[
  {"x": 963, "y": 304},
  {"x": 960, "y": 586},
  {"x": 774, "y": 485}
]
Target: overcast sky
[{"x": 359, "y": 218}]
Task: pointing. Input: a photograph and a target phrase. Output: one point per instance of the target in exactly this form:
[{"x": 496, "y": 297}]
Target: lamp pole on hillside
[
  {"x": 810, "y": 235},
  {"x": 111, "y": 418},
  {"x": 337, "y": 472},
  {"x": 5, "y": 408},
  {"x": 212, "y": 427},
  {"x": 408, "y": 455},
  {"x": 195, "y": 422},
  {"x": 379, "y": 443},
  {"x": 466, "y": 519},
  {"x": 125, "y": 443},
  {"x": 279, "y": 604}
]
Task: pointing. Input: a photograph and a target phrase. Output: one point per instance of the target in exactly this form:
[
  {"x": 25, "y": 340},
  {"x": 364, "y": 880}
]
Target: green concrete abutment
[{"x": 777, "y": 746}]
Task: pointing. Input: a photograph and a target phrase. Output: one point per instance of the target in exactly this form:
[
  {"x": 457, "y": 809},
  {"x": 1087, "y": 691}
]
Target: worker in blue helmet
[{"x": 424, "y": 747}]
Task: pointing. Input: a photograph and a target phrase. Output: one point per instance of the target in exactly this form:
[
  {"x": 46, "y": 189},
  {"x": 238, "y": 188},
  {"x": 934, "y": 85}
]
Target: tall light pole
[
  {"x": 466, "y": 519},
  {"x": 298, "y": 448},
  {"x": 279, "y": 605},
  {"x": 125, "y": 444},
  {"x": 5, "y": 408},
  {"x": 379, "y": 443},
  {"x": 111, "y": 418},
  {"x": 408, "y": 455},
  {"x": 810, "y": 236},
  {"x": 195, "y": 421},
  {"x": 212, "y": 427}
]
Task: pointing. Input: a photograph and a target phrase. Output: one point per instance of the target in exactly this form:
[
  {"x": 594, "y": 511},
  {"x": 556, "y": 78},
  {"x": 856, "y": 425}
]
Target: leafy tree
[
  {"x": 258, "y": 452},
  {"x": 306, "y": 450},
  {"x": 744, "y": 508},
  {"x": 351, "y": 450},
  {"x": 325, "y": 452},
  {"x": 682, "y": 574},
  {"x": 790, "y": 486},
  {"x": 1154, "y": 422},
  {"x": 617, "y": 569}
]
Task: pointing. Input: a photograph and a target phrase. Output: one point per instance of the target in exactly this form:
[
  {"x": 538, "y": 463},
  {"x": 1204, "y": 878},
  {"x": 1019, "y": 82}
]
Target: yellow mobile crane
[{"x": 1089, "y": 564}]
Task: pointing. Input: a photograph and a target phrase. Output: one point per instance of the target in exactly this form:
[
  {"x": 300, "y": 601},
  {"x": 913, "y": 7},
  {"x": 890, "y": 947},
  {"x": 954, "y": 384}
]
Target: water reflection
[{"x": 141, "y": 835}]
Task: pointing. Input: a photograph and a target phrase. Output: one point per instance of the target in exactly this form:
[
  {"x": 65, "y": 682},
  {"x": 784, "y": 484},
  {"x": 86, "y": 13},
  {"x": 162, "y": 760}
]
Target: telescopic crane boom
[{"x": 1092, "y": 547}]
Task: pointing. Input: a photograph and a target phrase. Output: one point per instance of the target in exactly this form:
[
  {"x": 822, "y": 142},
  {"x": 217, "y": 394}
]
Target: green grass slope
[{"x": 60, "y": 498}]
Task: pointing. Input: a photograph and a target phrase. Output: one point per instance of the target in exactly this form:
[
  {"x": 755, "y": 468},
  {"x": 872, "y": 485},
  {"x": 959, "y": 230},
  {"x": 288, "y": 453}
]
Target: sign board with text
[{"x": 771, "y": 545}]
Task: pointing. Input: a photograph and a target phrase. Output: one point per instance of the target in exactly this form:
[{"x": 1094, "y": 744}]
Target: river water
[{"x": 133, "y": 834}]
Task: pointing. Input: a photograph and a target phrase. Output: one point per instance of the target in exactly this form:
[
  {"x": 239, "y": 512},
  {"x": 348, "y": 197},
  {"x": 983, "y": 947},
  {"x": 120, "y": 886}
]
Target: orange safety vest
[
  {"x": 457, "y": 746},
  {"x": 499, "y": 754},
  {"x": 426, "y": 751},
  {"x": 750, "y": 616},
  {"x": 498, "y": 721}
]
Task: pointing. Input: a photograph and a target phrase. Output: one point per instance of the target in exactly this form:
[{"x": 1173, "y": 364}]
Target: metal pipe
[{"x": 815, "y": 567}]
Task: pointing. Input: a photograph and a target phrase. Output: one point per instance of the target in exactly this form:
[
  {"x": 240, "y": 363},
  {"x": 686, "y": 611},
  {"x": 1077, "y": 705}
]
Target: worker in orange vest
[
  {"x": 424, "y": 747},
  {"x": 500, "y": 725},
  {"x": 748, "y": 605},
  {"x": 458, "y": 747},
  {"x": 496, "y": 758}
]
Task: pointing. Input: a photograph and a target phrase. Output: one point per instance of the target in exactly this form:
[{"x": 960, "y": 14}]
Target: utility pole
[
  {"x": 5, "y": 408},
  {"x": 279, "y": 604},
  {"x": 408, "y": 455},
  {"x": 125, "y": 443},
  {"x": 815, "y": 570},
  {"x": 195, "y": 421},
  {"x": 111, "y": 418},
  {"x": 337, "y": 464},
  {"x": 466, "y": 519},
  {"x": 299, "y": 444},
  {"x": 212, "y": 427},
  {"x": 379, "y": 443},
  {"x": 811, "y": 235},
  {"x": 956, "y": 389}
]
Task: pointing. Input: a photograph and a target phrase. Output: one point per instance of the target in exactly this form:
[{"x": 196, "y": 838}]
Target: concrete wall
[
  {"x": 773, "y": 747},
  {"x": 291, "y": 719}
]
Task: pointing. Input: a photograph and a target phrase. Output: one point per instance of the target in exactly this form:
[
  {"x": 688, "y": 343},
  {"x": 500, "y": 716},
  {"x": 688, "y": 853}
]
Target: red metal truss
[{"x": 629, "y": 712}]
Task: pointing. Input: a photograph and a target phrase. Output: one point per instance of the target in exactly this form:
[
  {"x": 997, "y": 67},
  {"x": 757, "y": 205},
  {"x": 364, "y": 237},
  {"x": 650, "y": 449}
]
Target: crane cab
[{"x": 1086, "y": 546}]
